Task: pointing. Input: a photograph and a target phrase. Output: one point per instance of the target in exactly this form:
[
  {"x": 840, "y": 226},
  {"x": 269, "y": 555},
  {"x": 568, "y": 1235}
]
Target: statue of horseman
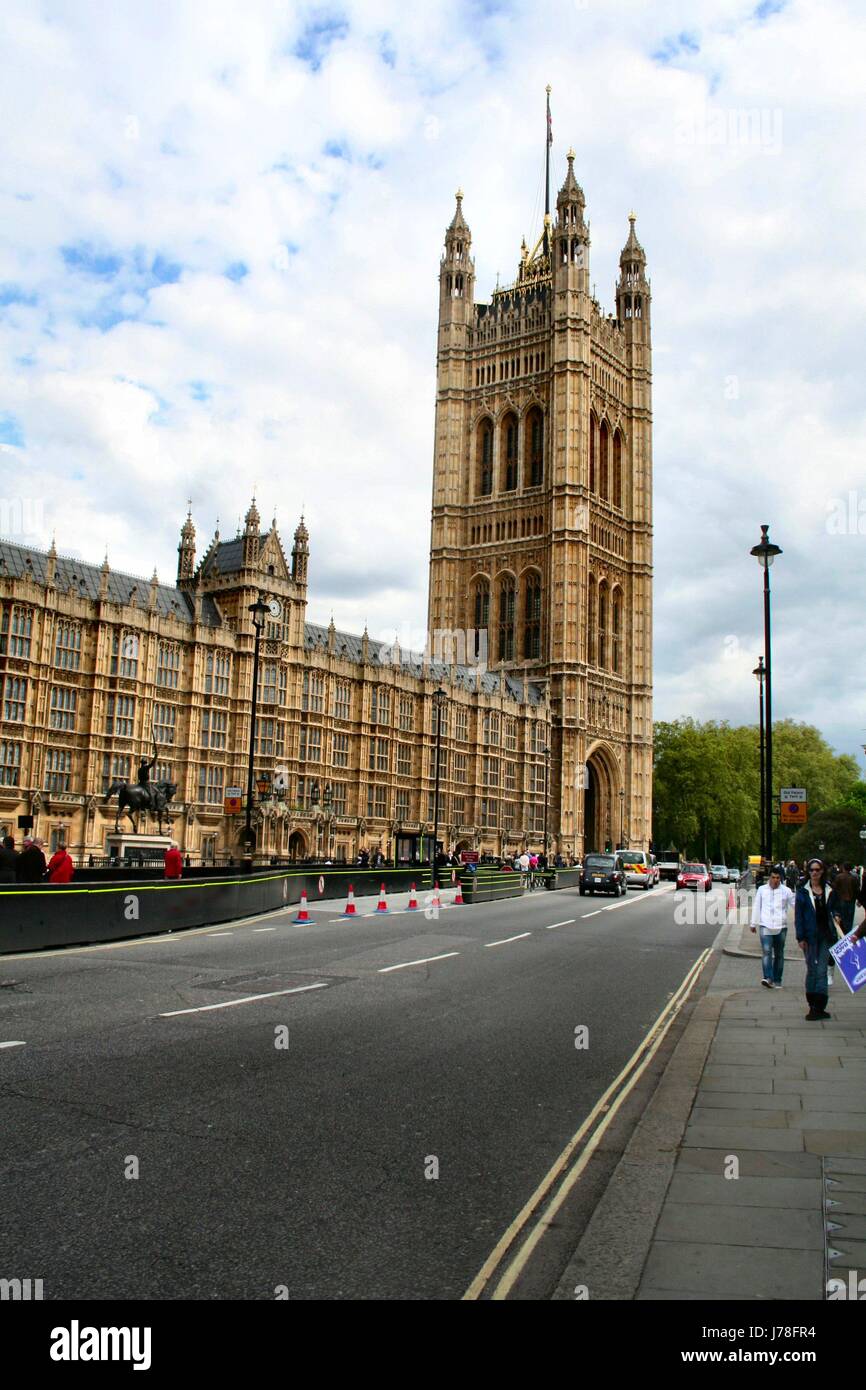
[{"x": 143, "y": 795}]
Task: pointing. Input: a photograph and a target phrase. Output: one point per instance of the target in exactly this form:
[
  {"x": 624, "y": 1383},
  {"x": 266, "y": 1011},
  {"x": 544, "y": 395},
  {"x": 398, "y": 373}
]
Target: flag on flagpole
[{"x": 549, "y": 124}]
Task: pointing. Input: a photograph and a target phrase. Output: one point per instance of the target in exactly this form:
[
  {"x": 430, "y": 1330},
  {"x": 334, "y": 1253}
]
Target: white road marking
[
  {"x": 592, "y": 914},
  {"x": 264, "y": 928},
  {"x": 506, "y": 939},
  {"x": 553, "y": 925},
  {"x": 13, "y": 1044},
  {"x": 425, "y": 961},
  {"x": 218, "y": 933},
  {"x": 248, "y": 999},
  {"x": 625, "y": 902}
]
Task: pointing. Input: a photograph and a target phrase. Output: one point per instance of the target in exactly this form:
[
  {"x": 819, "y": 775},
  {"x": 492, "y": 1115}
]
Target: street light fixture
[
  {"x": 546, "y": 752},
  {"x": 758, "y": 673},
  {"x": 765, "y": 553},
  {"x": 258, "y": 612},
  {"x": 440, "y": 699}
]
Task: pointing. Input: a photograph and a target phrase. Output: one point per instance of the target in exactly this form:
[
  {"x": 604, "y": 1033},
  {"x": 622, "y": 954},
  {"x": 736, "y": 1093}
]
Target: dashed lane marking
[
  {"x": 248, "y": 999},
  {"x": 505, "y": 940},
  {"x": 424, "y": 961},
  {"x": 13, "y": 1044},
  {"x": 551, "y": 926}
]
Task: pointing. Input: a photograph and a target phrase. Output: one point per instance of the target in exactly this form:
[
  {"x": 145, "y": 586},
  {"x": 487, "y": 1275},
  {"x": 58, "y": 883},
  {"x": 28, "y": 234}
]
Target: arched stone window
[
  {"x": 485, "y": 458},
  {"x": 601, "y": 635},
  {"x": 616, "y": 632},
  {"x": 533, "y": 474},
  {"x": 603, "y": 437},
  {"x": 532, "y": 617},
  {"x": 508, "y": 452},
  {"x": 617, "y": 469},
  {"x": 506, "y": 618},
  {"x": 593, "y": 432},
  {"x": 591, "y": 618},
  {"x": 482, "y": 614}
]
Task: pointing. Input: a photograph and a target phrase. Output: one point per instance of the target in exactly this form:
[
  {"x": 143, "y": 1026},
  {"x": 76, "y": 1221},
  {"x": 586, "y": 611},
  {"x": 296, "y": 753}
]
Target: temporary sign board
[
  {"x": 794, "y": 813},
  {"x": 233, "y": 800},
  {"x": 850, "y": 957},
  {"x": 469, "y": 856}
]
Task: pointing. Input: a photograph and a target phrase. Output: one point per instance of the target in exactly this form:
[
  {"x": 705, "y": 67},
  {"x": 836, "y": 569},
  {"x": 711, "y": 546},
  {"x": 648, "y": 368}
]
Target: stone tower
[{"x": 541, "y": 544}]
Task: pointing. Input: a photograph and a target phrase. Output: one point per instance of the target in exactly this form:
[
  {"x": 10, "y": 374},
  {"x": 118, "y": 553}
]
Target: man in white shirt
[{"x": 770, "y": 914}]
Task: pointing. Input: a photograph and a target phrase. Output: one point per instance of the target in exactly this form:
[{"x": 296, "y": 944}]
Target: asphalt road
[{"x": 308, "y": 1167}]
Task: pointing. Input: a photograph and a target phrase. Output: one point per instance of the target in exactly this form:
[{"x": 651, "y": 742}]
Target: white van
[{"x": 639, "y": 871}]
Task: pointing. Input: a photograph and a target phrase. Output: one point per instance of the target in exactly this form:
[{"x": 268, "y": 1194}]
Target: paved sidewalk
[{"x": 746, "y": 1178}]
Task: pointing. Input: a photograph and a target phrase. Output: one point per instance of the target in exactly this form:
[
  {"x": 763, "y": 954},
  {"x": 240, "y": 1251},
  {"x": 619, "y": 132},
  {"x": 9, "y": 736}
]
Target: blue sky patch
[
  {"x": 387, "y": 51},
  {"x": 236, "y": 271},
  {"x": 677, "y": 46},
  {"x": 14, "y": 294},
  {"x": 317, "y": 37},
  {"x": 200, "y": 391},
  {"x": 10, "y": 431},
  {"x": 85, "y": 259},
  {"x": 768, "y": 8},
  {"x": 334, "y": 149}
]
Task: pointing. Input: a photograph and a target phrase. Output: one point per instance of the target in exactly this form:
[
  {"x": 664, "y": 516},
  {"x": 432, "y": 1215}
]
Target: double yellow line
[{"x": 576, "y": 1155}]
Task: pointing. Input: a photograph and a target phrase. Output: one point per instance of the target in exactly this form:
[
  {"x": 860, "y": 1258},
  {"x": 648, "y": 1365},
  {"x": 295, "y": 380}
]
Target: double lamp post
[{"x": 765, "y": 553}]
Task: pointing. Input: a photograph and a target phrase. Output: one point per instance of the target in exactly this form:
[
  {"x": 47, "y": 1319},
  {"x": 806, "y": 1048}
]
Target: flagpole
[{"x": 548, "y": 137}]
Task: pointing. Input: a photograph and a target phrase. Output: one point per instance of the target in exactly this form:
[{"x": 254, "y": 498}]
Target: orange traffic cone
[
  {"x": 732, "y": 901},
  {"x": 436, "y": 901},
  {"x": 382, "y": 904},
  {"x": 413, "y": 900},
  {"x": 350, "y": 904},
  {"x": 458, "y": 901},
  {"x": 303, "y": 918}
]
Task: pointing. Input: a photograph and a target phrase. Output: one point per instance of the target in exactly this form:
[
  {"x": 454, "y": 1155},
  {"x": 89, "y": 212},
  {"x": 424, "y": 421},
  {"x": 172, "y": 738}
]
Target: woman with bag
[{"x": 817, "y": 920}]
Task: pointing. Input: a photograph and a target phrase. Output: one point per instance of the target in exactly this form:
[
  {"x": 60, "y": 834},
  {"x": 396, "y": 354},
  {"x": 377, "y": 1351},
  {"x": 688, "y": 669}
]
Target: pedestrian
[
  {"x": 173, "y": 860},
  {"x": 770, "y": 918},
  {"x": 814, "y": 909},
  {"x": 60, "y": 866},
  {"x": 8, "y": 860},
  {"x": 31, "y": 862},
  {"x": 792, "y": 875},
  {"x": 845, "y": 886}
]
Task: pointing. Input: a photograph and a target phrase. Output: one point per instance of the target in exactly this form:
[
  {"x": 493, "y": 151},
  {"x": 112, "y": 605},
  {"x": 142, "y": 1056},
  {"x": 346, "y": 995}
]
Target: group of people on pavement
[
  {"x": 28, "y": 865},
  {"x": 825, "y": 901}
]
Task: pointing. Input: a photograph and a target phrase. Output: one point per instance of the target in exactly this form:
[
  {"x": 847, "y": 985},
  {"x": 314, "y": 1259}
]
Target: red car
[{"x": 694, "y": 876}]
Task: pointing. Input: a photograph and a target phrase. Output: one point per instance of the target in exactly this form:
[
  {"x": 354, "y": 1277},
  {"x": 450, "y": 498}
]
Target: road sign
[
  {"x": 794, "y": 813},
  {"x": 863, "y": 833},
  {"x": 233, "y": 800},
  {"x": 792, "y": 794},
  {"x": 470, "y": 856}
]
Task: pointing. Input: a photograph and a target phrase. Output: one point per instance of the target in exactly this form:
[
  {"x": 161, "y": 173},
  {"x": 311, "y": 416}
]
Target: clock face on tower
[{"x": 275, "y": 608}]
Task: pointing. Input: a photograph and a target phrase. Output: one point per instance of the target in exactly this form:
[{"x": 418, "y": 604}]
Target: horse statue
[{"x": 134, "y": 798}]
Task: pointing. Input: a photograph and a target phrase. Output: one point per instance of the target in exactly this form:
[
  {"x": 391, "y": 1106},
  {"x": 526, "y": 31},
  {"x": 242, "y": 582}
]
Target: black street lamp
[
  {"x": 440, "y": 699},
  {"x": 622, "y": 818},
  {"x": 758, "y": 673},
  {"x": 765, "y": 553},
  {"x": 546, "y": 752},
  {"x": 258, "y": 611}
]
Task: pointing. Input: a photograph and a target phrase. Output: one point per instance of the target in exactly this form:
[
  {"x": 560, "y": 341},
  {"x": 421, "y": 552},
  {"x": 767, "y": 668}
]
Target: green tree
[{"x": 837, "y": 830}]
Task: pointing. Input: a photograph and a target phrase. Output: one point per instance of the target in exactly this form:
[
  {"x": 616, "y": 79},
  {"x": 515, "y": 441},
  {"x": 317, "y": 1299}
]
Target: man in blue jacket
[{"x": 815, "y": 909}]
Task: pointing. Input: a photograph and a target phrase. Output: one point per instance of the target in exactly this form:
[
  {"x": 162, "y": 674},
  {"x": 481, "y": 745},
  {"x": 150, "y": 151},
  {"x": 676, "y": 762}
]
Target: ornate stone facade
[{"x": 541, "y": 544}]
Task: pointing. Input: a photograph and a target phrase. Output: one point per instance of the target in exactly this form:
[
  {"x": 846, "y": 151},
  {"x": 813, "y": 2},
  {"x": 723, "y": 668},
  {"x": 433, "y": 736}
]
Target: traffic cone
[
  {"x": 436, "y": 901},
  {"x": 382, "y": 904},
  {"x": 732, "y": 901},
  {"x": 303, "y": 918},
  {"x": 413, "y": 900},
  {"x": 350, "y": 904},
  {"x": 458, "y": 901}
]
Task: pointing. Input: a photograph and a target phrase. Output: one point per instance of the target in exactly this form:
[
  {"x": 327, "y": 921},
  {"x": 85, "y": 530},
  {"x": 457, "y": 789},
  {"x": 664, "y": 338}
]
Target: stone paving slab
[
  {"x": 742, "y": 1117},
  {"x": 735, "y": 1271},
  {"x": 845, "y": 1203},
  {"x": 775, "y": 1228},
  {"x": 790, "y": 1086},
  {"x": 852, "y": 1253},
  {"x": 732, "y": 1138},
  {"x": 710, "y": 1099},
  {"x": 753, "y": 1163},
  {"x": 844, "y": 1226},
  {"x": 716, "y": 1190},
  {"x": 827, "y": 1117},
  {"x": 833, "y": 1141},
  {"x": 745, "y": 1085}
]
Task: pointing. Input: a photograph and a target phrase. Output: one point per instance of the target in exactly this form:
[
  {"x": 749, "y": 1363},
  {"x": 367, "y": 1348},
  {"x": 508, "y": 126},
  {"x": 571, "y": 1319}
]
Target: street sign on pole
[
  {"x": 794, "y": 813},
  {"x": 233, "y": 800},
  {"x": 792, "y": 794},
  {"x": 863, "y": 833}
]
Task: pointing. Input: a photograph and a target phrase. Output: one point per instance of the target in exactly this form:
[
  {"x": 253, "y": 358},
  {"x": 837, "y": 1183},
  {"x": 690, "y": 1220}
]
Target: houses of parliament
[{"x": 540, "y": 620}]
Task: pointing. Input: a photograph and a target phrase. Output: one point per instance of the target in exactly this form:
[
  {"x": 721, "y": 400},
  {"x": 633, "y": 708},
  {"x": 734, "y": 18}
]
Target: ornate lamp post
[
  {"x": 440, "y": 699},
  {"x": 622, "y": 818},
  {"x": 546, "y": 752},
  {"x": 758, "y": 673},
  {"x": 258, "y": 612},
  {"x": 765, "y": 553}
]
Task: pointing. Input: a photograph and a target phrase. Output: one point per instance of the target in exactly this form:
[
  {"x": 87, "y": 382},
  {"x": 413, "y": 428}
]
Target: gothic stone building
[
  {"x": 542, "y": 507},
  {"x": 539, "y": 619},
  {"x": 94, "y": 664}
]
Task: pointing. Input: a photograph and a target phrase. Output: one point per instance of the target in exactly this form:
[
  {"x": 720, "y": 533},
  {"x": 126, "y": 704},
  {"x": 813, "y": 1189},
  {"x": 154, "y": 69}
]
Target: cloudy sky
[{"x": 220, "y": 230}]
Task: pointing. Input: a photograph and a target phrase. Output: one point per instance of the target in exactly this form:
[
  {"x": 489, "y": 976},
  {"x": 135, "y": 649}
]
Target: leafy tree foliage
[
  {"x": 838, "y": 830},
  {"x": 706, "y": 784}
]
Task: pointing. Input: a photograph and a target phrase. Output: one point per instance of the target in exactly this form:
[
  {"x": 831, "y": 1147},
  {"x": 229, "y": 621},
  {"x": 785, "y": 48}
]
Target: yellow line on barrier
[{"x": 503, "y": 1245}]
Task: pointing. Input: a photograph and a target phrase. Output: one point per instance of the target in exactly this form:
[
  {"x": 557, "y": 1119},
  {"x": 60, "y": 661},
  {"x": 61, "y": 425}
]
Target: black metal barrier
[
  {"x": 566, "y": 878},
  {"x": 36, "y": 916},
  {"x": 489, "y": 885}
]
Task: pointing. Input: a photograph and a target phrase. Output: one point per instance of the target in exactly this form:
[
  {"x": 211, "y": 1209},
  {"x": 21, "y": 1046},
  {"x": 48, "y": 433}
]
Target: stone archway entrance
[
  {"x": 601, "y": 806},
  {"x": 297, "y": 845}
]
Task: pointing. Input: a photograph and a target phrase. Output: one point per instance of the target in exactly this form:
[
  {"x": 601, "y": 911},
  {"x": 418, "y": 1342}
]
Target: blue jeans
[
  {"x": 817, "y": 955},
  {"x": 773, "y": 954}
]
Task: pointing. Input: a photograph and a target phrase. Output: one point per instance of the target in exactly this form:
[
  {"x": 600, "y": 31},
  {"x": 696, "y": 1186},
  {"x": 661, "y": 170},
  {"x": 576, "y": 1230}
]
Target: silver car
[
  {"x": 719, "y": 872},
  {"x": 639, "y": 872}
]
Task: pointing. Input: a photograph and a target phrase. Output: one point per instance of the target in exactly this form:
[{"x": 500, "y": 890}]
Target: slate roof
[
  {"x": 84, "y": 579},
  {"x": 349, "y": 645}
]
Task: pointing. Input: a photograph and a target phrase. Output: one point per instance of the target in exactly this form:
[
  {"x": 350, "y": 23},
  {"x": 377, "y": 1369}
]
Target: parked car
[
  {"x": 603, "y": 873},
  {"x": 669, "y": 864},
  {"x": 733, "y": 875},
  {"x": 694, "y": 876},
  {"x": 639, "y": 871},
  {"x": 720, "y": 873}
]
